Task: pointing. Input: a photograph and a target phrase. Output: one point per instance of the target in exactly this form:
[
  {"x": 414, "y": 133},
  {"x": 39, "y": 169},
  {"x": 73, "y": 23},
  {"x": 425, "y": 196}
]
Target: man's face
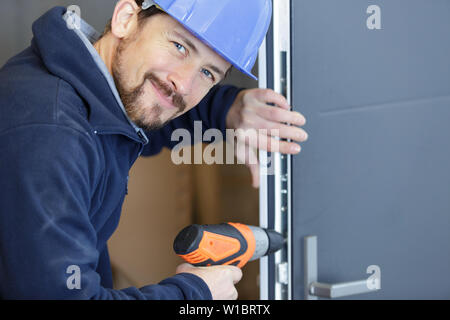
[{"x": 162, "y": 71}]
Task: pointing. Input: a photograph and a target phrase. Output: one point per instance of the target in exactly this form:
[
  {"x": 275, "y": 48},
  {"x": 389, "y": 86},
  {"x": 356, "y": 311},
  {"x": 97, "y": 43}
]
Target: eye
[
  {"x": 180, "y": 48},
  {"x": 208, "y": 74}
]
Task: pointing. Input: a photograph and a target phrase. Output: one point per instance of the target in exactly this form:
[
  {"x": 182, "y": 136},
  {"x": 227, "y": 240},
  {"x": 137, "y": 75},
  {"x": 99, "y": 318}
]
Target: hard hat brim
[{"x": 212, "y": 46}]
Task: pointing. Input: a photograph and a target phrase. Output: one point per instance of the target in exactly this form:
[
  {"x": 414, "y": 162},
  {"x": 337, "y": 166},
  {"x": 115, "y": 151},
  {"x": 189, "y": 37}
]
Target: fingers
[
  {"x": 268, "y": 96},
  {"x": 284, "y": 147},
  {"x": 185, "y": 267},
  {"x": 235, "y": 294},
  {"x": 281, "y": 115},
  {"x": 278, "y": 122},
  {"x": 254, "y": 170},
  {"x": 236, "y": 274},
  {"x": 269, "y": 144},
  {"x": 220, "y": 280},
  {"x": 277, "y": 130},
  {"x": 287, "y": 132},
  {"x": 265, "y": 97}
]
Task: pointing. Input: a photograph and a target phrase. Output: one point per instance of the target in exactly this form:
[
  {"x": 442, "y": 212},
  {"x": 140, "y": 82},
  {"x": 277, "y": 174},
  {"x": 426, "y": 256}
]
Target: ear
[{"x": 124, "y": 20}]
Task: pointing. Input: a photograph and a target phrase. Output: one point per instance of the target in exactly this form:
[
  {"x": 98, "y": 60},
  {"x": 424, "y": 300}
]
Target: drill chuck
[{"x": 266, "y": 242}]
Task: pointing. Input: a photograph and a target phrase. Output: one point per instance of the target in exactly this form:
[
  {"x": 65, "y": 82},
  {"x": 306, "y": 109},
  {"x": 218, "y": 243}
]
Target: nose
[{"x": 182, "y": 78}]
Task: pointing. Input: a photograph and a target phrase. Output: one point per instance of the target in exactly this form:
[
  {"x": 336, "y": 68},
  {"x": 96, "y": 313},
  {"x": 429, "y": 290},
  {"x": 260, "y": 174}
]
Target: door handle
[{"x": 315, "y": 289}]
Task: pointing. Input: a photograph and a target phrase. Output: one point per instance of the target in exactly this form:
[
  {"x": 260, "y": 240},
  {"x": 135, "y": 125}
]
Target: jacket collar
[{"x": 67, "y": 53}]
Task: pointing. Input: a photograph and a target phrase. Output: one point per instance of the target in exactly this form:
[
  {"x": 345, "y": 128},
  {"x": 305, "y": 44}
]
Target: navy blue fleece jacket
[{"x": 66, "y": 149}]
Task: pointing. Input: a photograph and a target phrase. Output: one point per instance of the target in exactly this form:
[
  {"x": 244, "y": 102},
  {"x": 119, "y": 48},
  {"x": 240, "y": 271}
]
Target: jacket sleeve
[
  {"x": 48, "y": 175},
  {"x": 211, "y": 111}
]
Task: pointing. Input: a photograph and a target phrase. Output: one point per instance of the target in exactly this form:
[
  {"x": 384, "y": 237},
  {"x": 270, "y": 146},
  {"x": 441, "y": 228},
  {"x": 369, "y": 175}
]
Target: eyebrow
[
  {"x": 186, "y": 40},
  {"x": 217, "y": 70},
  {"x": 194, "y": 48}
]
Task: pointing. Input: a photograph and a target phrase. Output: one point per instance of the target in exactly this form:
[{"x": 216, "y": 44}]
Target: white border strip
[
  {"x": 281, "y": 38},
  {"x": 263, "y": 201}
]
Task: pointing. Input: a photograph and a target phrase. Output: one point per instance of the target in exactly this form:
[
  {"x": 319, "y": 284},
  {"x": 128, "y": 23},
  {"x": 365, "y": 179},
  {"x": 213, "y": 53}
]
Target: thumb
[{"x": 236, "y": 274}]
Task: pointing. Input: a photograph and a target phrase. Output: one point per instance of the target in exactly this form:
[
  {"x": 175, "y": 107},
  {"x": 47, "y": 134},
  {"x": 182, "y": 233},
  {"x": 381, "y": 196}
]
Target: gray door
[{"x": 373, "y": 181}]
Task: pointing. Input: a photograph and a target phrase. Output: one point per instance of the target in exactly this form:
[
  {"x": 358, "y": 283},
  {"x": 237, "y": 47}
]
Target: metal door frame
[{"x": 275, "y": 170}]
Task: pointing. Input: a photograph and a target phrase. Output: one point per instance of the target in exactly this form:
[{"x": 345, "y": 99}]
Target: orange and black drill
[{"x": 225, "y": 244}]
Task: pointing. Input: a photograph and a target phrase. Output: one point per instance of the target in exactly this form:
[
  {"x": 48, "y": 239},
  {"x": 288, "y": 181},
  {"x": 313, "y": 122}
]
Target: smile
[{"x": 163, "y": 99}]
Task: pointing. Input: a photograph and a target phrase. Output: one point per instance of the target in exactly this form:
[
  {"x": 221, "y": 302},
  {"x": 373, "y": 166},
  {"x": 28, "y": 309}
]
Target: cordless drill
[{"x": 225, "y": 244}]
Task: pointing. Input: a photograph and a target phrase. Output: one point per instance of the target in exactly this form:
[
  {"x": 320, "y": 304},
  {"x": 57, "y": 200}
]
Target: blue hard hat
[{"x": 235, "y": 29}]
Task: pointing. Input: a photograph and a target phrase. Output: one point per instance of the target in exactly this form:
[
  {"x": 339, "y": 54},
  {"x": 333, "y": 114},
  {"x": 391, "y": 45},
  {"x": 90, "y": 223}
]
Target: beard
[{"x": 145, "y": 117}]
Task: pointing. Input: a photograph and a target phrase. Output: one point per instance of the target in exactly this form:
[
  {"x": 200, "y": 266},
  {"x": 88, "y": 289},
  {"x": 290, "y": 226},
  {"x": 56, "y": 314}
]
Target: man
[{"x": 76, "y": 111}]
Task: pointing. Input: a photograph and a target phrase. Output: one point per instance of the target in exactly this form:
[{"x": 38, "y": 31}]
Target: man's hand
[
  {"x": 220, "y": 279},
  {"x": 251, "y": 110}
]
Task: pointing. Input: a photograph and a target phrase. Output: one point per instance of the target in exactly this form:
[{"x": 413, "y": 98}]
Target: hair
[{"x": 143, "y": 15}]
